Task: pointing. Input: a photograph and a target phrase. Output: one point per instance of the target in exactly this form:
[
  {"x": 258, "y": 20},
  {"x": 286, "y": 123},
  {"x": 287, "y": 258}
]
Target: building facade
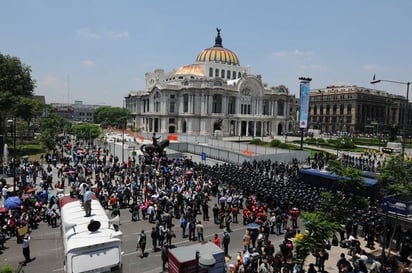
[
  {"x": 352, "y": 109},
  {"x": 77, "y": 111},
  {"x": 214, "y": 95}
]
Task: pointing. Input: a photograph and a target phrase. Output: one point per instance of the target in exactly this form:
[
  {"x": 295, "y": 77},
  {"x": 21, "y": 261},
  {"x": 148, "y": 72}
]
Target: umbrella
[
  {"x": 72, "y": 172},
  {"x": 12, "y": 202},
  {"x": 2, "y": 210},
  {"x": 189, "y": 172},
  {"x": 252, "y": 226}
]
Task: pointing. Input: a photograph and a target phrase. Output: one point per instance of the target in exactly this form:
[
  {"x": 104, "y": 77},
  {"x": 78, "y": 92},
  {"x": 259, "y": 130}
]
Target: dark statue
[{"x": 154, "y": 149}]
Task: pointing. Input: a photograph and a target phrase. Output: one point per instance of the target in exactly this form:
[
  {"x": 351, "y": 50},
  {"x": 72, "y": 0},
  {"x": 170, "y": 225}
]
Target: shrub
[
  {"x": 257, "y": 141},
  {"x": 284, "y": 146},
  {"x": 275, "y": 143},
  {"x": 7, "y": 269}
]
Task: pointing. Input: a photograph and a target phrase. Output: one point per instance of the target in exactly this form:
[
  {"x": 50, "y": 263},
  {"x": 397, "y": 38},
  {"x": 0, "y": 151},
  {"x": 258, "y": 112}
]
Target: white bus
[{"x": 91, "y": 244}]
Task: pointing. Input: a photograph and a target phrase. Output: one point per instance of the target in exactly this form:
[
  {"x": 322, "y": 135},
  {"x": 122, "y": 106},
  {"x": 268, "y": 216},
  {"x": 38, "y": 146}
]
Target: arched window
[
  {"x": 228, "y": 74},
  {"x": 210, "y": 72},
  {"x": 216, "y": 72},
  {"x": 222, "y": 73}
]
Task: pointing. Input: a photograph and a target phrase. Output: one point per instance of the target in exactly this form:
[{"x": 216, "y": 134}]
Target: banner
[{"x": 304, "y": 102}]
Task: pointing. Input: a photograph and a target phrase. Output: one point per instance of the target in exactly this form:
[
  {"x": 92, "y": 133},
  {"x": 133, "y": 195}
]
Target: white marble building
[{"x": 215, "y": 95}]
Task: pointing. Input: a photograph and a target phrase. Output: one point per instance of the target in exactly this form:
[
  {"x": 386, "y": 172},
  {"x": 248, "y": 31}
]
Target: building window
[
  {"x": 231, "y": 107},
  {"x": 245, "y": 109},
  {"x": 222, "y": 73},
  {"x": 265, "y": 107},
  {"x": 238, "y": 75},
  {"x": 217, "y": 104},
  {"x": 172, "y": 107},
  {"x": 342, "y": 107},
  {"x": 228, "y": 74},
  {"x": 281, "y": 108},
  {"x": 157, "y": 106},
  {"x": 234, "y": 75},
  {"x": 216, "y": 72},
  {"x": 185, "y": 103},
  {"x": 171, "y": 121},
  {"x": 210, "y": 72}
]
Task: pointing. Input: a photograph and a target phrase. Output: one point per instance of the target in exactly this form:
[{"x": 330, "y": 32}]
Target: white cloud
[
  {"x": 88, "y": 63},
  {"x": 87, "y": 33},
  {"x": 282, "y": 53},
  {"x": 116, "y": 35},
  {"x": 90, "y": 34},
  {"x": 296, "y": 52},
  {"x": 369, "y": 67}
]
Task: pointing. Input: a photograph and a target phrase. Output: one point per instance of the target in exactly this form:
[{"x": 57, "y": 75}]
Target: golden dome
[
  {"x": 191, "y": 69},
  {"x": 218, "y": 54}
]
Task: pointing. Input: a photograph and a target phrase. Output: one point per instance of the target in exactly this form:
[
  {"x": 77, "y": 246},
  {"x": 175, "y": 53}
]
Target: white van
[
  {"x": 91, "y": 244},
  {"x": 393, "y": 147}
]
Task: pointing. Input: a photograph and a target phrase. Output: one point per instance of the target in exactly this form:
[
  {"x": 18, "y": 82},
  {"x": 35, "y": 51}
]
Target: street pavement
[{"x": 47, "y": 246}]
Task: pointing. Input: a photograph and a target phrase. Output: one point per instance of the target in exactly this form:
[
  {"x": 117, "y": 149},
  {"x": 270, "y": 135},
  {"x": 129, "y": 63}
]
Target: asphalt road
[{"x": 46, "y": 245}]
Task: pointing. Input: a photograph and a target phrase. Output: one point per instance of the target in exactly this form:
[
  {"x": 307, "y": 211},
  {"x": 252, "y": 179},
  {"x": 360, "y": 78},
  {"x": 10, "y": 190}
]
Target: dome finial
[{"x": 218, "y": 40}]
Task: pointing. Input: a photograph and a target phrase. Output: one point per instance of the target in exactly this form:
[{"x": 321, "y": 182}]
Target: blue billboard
[{"x": 304, "y": 102}]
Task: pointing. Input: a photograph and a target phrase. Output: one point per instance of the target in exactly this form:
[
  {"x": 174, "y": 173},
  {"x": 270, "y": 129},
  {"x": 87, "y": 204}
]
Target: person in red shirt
[
  {"x": 216, "y": 240},
  {"x": 294, "y": 214}
]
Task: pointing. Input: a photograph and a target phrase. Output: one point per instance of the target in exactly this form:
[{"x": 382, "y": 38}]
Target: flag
[{"x": 374, "y": 77}]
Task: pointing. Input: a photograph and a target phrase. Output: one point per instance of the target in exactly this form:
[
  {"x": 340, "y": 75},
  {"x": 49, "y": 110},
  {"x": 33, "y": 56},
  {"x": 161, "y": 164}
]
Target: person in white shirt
[
  {"x": 87, "y": 199},
  {"x": 26, "y": 248},
  {"x": 4, "y": 192}
]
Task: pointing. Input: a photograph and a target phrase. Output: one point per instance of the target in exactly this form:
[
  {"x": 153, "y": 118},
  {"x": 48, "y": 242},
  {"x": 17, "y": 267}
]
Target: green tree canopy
[
  {"x": 111, "y": 116},
  {"x": 51, "y": 127},
  {"x": 15, "y": 81},
  {"x": 350, "y": 177},
  {"x": 396, "y": 175},
  {"x": 338, "y": 206},
  {"x": 87, "y": 131},
  {"x": 318, "y": 227}
]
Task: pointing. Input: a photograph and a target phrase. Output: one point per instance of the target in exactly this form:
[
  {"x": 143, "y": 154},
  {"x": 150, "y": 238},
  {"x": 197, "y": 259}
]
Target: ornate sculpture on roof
[{"x": 218, "y": 40}]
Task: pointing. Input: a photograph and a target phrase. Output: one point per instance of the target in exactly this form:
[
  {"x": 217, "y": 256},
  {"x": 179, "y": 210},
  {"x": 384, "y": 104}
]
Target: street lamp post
[
  {"x": 123, "y": 143},
  {"x": 13, "y": 132},
  {"x": 405, "y": 119}
]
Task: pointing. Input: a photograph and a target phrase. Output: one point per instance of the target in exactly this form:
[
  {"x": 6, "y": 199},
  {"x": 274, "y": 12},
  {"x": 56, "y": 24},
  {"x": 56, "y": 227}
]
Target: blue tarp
[
  {"x": 335, "y": 177},
  {"x": 327, "y": 180}
]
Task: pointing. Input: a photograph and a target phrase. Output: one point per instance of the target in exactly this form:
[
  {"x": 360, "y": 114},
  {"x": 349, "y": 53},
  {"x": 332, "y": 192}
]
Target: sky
[{"x": 97, "y": 51}]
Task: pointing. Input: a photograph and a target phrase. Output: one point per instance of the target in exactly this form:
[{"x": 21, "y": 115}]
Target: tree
[
  {"x": 395, "y": 175},
  {"x": 349, "y": 178},
  {"x": 339, "y": 206},
  {"x": 111, "y": 116},
  {"x": 87, "y": 131},
  {"x": 51, "y": 126},
  {"x": 318, "y": 227},
  {"x": 15, "y": 82},
  {"x": 29, "y": 109}
]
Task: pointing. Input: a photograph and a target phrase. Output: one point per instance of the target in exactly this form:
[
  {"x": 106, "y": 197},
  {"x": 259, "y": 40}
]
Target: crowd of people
[{"x": 266, "y": 197}]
